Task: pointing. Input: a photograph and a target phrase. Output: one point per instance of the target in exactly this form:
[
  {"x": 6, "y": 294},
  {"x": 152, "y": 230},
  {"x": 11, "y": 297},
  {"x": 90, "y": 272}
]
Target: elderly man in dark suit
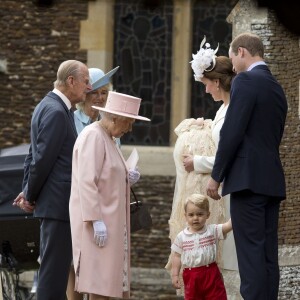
[
  {"x": 248, "y": 164},
  {"x": 47, "y": 176}
]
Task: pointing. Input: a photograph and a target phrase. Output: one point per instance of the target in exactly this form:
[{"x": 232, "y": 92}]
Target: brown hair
[
  {"x": 249, "y": 41},
  {"x": 199, "y": 200},
  {"x": 223, "y": 71}
]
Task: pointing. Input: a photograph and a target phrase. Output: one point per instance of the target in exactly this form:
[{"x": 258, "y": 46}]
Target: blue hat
[{"x": 99, "y": 79}]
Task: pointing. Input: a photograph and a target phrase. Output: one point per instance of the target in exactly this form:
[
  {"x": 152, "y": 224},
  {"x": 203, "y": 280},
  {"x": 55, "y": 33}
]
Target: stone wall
[
  {"x": 150, "y": 248},
  {"x": 34, "y": 41},
  {"x": 283, "y": 57}
]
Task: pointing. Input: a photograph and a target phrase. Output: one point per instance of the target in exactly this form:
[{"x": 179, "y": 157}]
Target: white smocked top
[{"x": 199, "y": 248}]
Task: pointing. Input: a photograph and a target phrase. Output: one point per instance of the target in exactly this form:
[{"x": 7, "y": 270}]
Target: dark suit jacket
[
  {"x": 248, "y": 151},
  {"x": 47, "y": 172}
]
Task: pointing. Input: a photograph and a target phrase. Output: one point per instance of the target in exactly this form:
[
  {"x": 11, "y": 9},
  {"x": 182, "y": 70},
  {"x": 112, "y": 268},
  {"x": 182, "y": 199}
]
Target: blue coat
[
  {"x": 47, "y": 178},
  {"x": 248, "y": 151}
]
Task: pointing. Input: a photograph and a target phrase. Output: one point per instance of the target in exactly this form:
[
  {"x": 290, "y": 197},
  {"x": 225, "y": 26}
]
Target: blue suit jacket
[
  {"x": 47, "y": 172},
  {"x": 248, "y": 151}
]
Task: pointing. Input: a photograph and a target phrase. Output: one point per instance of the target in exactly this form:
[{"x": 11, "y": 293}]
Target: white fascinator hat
[{"x": 204, "y": 60}]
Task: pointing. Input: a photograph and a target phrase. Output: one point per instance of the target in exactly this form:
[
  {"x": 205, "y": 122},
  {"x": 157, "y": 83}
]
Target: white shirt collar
[
  {"x": 188, "y": 232},
  {"x": 258, "y": 63},
  {"x": 63, "y": 98}
]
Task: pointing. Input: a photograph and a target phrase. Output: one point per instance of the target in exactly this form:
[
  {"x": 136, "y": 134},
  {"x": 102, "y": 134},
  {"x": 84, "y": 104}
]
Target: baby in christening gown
[{"x": 194, "y": 137}]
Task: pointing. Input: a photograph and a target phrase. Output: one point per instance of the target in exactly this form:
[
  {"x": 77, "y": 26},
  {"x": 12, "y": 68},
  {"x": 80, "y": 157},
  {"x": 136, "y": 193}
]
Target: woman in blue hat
[{"x": 101, "y": 85}]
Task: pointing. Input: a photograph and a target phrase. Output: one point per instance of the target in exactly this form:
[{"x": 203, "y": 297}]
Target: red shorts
[{"x": 204, "y": 282}]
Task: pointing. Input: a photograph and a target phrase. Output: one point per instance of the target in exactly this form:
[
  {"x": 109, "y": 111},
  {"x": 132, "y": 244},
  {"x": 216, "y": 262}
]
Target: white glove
[
  {"x": 100, "y": 233},
  {"x": 134, "y": 176}
]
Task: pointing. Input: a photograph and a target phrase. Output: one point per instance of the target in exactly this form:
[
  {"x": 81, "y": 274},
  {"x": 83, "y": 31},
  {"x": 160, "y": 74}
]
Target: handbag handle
[{"x": 136, "y": 201}]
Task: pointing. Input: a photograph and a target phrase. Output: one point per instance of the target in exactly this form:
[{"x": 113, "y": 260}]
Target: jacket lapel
[{"x": 68, "y": 112}]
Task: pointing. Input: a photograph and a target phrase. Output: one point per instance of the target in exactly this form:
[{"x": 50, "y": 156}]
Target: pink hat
[{"x": 123, "y": 105}]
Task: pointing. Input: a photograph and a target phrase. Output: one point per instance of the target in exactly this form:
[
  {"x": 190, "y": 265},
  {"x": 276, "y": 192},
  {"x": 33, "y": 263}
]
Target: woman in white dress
[
  {"x": 195, "y": 148},
  {"x": 217, "y": 83}
]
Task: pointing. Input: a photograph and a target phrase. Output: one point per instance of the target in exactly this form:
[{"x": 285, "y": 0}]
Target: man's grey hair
[{"x": 66, "y": 69}]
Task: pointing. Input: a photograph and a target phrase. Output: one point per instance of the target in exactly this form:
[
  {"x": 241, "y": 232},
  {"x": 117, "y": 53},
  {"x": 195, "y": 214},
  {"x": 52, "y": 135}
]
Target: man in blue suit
[
  {"x": 47, "y": 176},
  {"x": 248, "y": 163}
]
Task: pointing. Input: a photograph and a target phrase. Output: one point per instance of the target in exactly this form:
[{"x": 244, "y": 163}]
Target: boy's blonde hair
[{"x": 199, "y": 200}]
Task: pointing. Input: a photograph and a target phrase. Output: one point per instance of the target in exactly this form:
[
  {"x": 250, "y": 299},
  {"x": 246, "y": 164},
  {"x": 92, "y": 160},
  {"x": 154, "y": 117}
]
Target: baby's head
[{"x": 198, "y": 200}]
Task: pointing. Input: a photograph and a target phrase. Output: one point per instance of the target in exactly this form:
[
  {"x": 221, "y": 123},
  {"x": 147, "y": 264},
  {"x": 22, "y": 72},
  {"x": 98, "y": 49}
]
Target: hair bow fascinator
[{"x": 204, "y": 60}]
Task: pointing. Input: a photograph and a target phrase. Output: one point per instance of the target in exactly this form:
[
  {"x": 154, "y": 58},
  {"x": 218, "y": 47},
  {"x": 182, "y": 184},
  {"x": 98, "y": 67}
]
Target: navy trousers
[
  {"x": 255, "y": 225},
  {"x": 56, "y": 257}
]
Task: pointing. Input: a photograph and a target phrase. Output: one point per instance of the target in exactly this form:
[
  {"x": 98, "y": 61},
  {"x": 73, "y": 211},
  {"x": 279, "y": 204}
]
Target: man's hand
[
  {"x": 212, "y": 189},
  {"x": 100, "y": 233},
  {"x": 23, "y": 203},
  {"x": 188, "y": 162}
]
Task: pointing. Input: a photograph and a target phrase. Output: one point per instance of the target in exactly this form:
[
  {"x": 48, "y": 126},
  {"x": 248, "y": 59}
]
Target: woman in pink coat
[{"x": 99, "y": 202}]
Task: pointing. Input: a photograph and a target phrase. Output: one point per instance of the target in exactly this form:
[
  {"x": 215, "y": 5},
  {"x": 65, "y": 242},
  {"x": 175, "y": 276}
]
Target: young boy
[{"x": 195, "y": 249}]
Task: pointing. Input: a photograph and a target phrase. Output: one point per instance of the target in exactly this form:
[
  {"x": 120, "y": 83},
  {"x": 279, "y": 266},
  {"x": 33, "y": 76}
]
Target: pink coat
[{"x": 100, "y": 191}]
